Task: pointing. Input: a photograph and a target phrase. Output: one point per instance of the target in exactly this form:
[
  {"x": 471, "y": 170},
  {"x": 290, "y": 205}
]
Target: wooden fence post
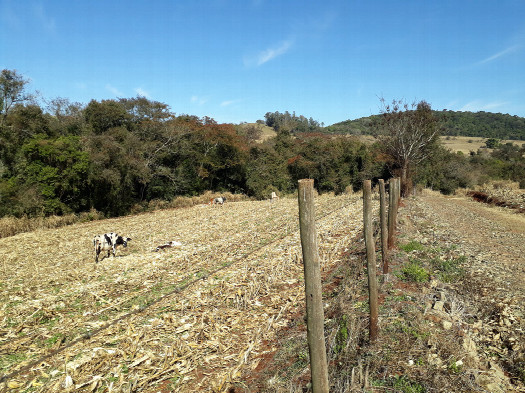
[
  {"x": 370, "y": 257},
  {"x": 383, "y": 222},
  {"x": 398, "y": 193},
  {"x": 313, "y": 288},
  {"x": 391, "y": 212}
]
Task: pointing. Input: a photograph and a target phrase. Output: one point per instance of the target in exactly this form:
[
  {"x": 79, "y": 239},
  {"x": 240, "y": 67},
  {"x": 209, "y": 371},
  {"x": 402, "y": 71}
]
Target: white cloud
[
  {"x": 269, "y": 54},
  {"x": 113, "y": 90},
  {"x": 80, "y": 85},
  {"x": 504, "y": 52},
  {"x": 478, "y": 105},
  {"x": 198, "y": 100},
  {"x": 142, "y": 93},
  {"x": 229, "y": 102},
  {"x": 47, "y": 22}
]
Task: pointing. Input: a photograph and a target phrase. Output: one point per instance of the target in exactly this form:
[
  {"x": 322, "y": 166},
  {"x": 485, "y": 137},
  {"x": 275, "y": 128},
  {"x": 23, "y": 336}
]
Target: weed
[
  {"x": 455, "y": 367},
  {"x": 449, "y": 270},
  {"x": 174, "y": 381},
  {"x": 54, "y": 339},
  {"x": 342, "y": 335},
  {"x": 8, "y": 360},
  {"x": 406, "y": 385},
  {"x": 412, "y": 246},
  {"x": 413, "y": 271},
  {"x": 113, "y": 378}
]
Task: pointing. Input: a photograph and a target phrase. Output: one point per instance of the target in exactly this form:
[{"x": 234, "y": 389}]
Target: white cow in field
[
  {"x": 108, "y": 242},
  {"x": 218, "y": 201}
]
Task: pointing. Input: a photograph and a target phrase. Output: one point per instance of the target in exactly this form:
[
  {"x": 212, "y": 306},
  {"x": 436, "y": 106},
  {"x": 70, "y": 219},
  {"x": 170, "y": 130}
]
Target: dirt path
[{"x": 493, "y": 238}]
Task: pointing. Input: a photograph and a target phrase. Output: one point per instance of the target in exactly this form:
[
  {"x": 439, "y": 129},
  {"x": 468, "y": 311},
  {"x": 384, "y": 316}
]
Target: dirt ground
[
  {"x": 493, "y": 237},
  {"x": 463, "y": 335}
]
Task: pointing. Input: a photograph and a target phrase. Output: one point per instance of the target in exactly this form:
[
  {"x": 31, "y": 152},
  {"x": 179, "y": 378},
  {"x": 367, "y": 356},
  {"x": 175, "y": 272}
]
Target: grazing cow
[
  {"x": 218, "y": 201},
  {"x": 108, "y": 242},
  {"x": 171, "y": 244}
]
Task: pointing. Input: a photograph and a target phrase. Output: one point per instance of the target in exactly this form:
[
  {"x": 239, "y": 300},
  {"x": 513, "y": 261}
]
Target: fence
[{"x": 313, "y": 287}]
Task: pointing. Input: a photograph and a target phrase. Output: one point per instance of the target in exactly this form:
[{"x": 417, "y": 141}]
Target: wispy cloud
[
  {"x": 198, "y": 100},
  {"x": 504, "y": 52},
  {"x": 9, "y": 16},
  {"x": 113, "y": 90},
  {"x": 142, "y": 93},
  {"x": 269, "y": 54},
  {"x": 229, "y": 102},
  {"x": 47, "y": 22},
  {"x": 80, "y": 85},
  {"x": 478, "y": 105}
]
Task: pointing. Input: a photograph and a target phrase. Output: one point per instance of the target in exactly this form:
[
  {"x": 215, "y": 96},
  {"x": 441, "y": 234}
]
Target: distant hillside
[{"x": 478, "y": 124}]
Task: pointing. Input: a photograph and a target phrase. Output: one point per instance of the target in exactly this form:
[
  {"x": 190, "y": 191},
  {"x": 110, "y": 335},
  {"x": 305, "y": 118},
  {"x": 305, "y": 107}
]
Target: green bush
[
  {"x": 449, "y": 270},
  {"x": 413, "y": 271},
  {"x": 412, "y": 246}
]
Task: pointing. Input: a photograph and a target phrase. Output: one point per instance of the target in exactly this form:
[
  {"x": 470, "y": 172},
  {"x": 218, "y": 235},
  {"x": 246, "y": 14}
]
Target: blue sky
[{"x": 235, "y": 60}]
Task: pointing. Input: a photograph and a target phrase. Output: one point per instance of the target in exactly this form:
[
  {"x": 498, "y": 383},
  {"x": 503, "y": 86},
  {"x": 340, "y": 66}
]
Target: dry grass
[
  {"x": 466, "y": 144},
  {"x": 187, "y": 319},
  {"x": 10, "y": 226},
  {"x": 266, "y": 132}
]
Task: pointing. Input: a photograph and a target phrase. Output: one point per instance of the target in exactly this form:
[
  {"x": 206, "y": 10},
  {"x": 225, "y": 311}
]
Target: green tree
[
  {"x": 102, "y": 116},
  {"x": 12, "y": 91},
  {"x": 56, "y": 170},
  {"x": 492, "y": 143},
  {"x": 65, "y": 117}
]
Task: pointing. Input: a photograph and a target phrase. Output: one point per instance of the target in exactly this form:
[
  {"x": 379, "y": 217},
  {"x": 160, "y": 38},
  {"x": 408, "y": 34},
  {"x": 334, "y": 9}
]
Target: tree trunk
[{"x": 404, "y": 180}]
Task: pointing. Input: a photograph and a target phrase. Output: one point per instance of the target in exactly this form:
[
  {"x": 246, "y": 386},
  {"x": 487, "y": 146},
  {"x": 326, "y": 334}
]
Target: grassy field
[{"x": 466, "y": 144}]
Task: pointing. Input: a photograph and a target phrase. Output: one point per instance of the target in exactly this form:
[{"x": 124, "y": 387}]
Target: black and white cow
[
  {"x": 219, "y": 201},
  {"x": 108, "y": 242}
]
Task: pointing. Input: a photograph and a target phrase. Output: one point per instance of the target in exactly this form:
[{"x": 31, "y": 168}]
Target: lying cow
[
  {"x": 171, "y": 244},
  {"x": 218, "y": 201},
  {"x": 108, "y": 242}
]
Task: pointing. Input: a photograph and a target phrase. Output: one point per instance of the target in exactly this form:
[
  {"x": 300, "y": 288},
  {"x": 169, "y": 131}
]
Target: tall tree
[
  {"x": 408, "y": 134},
  {"x": 12, "y": 91}
]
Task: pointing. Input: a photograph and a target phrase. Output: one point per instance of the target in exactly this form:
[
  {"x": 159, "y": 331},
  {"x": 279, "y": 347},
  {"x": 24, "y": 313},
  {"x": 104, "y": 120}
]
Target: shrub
[
  {"x": 449, "y": 270},
  {"x": 413, "y": 271},
  {"x": 405, "y": 385},
  {"x": 412, "y": 246}
]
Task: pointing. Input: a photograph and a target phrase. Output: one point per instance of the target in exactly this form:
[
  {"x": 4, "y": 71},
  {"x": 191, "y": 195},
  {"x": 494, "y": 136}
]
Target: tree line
[
  {"x": 112, "y": 155},
  {"x": 119, "y": 155},
  {"x": 454, "y": 123}
]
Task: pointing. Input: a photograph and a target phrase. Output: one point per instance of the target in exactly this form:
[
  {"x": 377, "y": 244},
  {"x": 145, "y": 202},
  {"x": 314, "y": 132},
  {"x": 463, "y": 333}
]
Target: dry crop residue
[
  {"x": 493, "y": 237},
  {"x": 492, "y": 294},
  {"x": 187, "y": 319}
]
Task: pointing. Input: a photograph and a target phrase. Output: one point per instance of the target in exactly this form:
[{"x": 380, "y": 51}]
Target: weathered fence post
[
  {"x": 313, "y": 288},
  {"x": 391, "y": 212},
  {"x": 370, "y": 257},
  {"x": 383, "y": 222},
  {"x": 398, "y": 193}
]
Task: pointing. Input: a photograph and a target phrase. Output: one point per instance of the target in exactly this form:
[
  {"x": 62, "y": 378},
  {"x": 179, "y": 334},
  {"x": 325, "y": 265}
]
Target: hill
[{"x": 453, "y": 123}]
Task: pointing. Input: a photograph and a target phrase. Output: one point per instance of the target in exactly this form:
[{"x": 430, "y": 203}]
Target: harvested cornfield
[{"x": 185, "y": 319}]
